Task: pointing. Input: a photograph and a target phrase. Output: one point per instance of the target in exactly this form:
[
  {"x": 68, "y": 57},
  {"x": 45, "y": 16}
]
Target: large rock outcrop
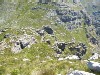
[
  {"x": 94, "y": 66},
  {"x": 23, "y": 42}
]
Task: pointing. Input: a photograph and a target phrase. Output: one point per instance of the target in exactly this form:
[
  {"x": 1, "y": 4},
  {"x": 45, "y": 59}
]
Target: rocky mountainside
[
  {"x": 49, "y": 39},
  {"x": 93, "y": 8}
]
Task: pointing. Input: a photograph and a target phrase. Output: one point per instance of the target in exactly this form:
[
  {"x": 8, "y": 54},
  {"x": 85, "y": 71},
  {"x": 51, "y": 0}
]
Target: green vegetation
[{"x": 40, "y": 55}]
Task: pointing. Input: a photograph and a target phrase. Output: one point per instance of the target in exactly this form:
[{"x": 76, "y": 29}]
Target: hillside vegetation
[{"x": 25, "y": 17}]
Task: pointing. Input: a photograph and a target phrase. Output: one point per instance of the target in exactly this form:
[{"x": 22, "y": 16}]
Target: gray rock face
[
  {"x": 23, "y": 42},
  {"x": 94, "y": 66},
  {"x": 77, "y": 72},
  {"x": 71, "y": 18}
]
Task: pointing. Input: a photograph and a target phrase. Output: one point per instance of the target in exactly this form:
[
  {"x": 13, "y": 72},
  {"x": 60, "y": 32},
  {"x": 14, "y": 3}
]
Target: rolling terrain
[{"x": 69, "y": 24}]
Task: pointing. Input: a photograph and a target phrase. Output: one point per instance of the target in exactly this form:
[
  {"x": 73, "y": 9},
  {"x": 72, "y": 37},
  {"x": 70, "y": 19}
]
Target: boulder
[
  {"x": 48, "y": 29},
  {"x": 60, "y": 59},
  {"x": 77, "y": 72},
  {"x": 60, "y": 45},
  {"x": 24, "y": 43},
  {"x": 72, "y": 57},
  {"x": 26, "y": 59},
  {"x": 94, "y": 56},
  {"x": 93, "y": 66},
  {"x": 40, "y": 32}
]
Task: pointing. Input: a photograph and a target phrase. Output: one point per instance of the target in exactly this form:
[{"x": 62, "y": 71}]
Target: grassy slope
[{"x": 14, "y": 64}]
